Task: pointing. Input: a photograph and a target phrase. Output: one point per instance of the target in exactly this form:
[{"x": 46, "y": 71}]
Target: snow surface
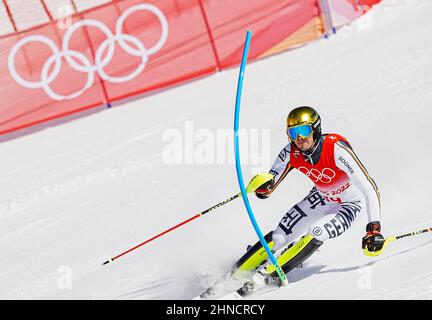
[{"x": 76, "y": 194}]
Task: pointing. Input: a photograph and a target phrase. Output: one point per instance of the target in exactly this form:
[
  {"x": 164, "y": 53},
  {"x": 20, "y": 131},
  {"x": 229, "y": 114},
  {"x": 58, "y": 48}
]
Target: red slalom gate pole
[{"x": 173, "y": 228}]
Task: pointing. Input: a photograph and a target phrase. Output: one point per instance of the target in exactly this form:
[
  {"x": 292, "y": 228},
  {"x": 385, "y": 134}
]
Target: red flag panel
[{"x": 133, "y": 46}]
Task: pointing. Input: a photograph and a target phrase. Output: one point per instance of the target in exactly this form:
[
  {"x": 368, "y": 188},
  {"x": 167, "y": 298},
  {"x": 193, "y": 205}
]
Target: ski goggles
[{"x": 303, "y": 130}]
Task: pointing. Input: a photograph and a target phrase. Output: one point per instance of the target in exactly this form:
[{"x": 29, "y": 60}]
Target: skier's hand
[
  {"x": 264, "y": 190},
  {"x": 258, "y": 180},
  {"x": 373, "y": 240}
]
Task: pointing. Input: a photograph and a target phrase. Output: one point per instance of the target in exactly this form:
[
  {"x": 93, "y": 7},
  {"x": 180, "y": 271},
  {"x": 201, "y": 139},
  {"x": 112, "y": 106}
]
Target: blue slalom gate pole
[{"x": 279, "y": 270}]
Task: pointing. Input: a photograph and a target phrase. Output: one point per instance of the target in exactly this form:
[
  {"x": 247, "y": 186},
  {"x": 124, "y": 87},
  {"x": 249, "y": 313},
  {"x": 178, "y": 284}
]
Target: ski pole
[
  {"x": 389, "y": 240},
  {"x": 174, "y": 227}
]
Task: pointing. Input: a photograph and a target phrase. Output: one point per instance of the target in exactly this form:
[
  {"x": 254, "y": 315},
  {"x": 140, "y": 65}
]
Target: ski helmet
[{"x": 304, "y": 115}]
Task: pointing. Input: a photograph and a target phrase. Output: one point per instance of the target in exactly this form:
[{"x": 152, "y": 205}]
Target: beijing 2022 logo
[{"x": 103, "y": 54}]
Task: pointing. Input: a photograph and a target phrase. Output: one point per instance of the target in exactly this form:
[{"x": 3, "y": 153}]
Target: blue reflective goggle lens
[{"x": 304, "y": 131}]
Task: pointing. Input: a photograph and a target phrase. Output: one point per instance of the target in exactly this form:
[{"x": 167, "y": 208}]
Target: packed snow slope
[{"x": 76, "y": 194}]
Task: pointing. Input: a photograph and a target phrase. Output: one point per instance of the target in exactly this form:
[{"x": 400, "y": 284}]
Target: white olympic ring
[
  {"x": 315, "y": 175},
  {"x": 49, "y": 62},
  {"x": 107, "y": 47}
]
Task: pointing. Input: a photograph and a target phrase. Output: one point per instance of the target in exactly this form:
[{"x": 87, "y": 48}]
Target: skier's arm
[
  {"x": 279, "y": 170},
  {"x": 347, "y": 160}
]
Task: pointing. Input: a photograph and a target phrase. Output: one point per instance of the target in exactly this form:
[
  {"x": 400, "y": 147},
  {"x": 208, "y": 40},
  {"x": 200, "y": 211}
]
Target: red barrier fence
[{"x": 129, "y": 47}]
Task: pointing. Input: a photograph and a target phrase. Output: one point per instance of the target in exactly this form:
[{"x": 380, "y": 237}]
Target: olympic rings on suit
[{"x": 315, "y": 175}]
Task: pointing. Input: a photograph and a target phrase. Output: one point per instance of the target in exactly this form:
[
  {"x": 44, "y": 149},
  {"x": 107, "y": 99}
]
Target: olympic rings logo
[
  {"x": 315, "y": 175},
  {"x": 103, "y": 54}
]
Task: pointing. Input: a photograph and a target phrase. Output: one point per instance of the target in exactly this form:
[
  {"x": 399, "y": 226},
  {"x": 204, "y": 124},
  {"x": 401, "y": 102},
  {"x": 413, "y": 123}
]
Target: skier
[{"x": 342, "y": 192}]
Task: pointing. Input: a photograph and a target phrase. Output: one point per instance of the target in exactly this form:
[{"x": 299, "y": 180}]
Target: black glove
[
  {"x": 373, "y": 239},
  {"x": 263, "y": 191}
]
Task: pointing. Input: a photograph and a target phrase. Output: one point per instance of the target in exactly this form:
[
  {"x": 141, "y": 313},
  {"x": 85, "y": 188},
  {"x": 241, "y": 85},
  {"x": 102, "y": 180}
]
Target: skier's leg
[
  {"x": 338, "y": 221},
  {"x": 331, "y": 225},
  {"x": 293, "y": 225},
  {"x": 296, "y": 222}
]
